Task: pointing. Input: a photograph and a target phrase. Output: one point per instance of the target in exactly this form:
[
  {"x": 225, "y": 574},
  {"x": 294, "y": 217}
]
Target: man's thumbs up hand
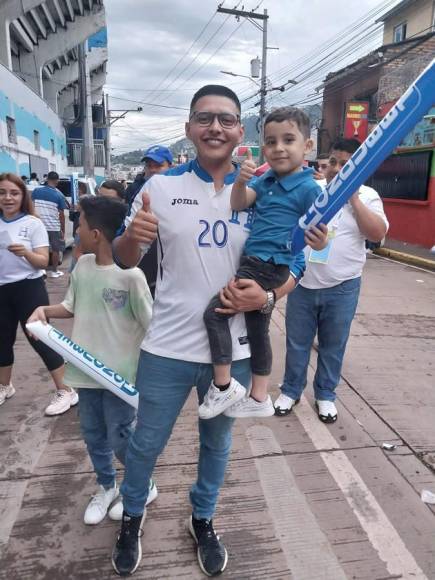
[{"x": 143, "y": 228}]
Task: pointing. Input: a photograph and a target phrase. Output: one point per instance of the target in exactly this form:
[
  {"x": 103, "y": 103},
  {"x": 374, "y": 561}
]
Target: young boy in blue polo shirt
[{"x": 281, "y": 196}]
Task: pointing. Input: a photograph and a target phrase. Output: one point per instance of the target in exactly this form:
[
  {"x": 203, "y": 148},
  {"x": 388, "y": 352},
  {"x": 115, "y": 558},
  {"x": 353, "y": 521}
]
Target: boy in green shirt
[{"x": 111, "y": 309}]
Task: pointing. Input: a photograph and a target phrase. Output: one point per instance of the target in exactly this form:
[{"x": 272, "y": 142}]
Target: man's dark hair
[
  {"x": 33, "y": 175},
  {"x": 103, "y": 213},
  {"x": 218, "y": 91},
  {"x": 323, "y": 156},
  {"x": 116, "y": 186},
  {"x": 348, "y": 145},
  {"x": 298, "y": 116},
  {"x": 52, "y": 176}
]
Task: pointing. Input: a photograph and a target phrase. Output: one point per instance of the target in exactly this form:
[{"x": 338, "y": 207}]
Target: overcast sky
[{"x": 148, "y": 38}]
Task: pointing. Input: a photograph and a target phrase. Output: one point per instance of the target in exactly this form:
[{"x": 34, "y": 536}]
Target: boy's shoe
[
  {"x": 326, "y": 411},
  {"x": 6, "y": 392},
  {"x": 115, "y": 512},
  {"x": 99, "y": 504},
  {"x": 284, "y": 405},
  {"x": 216, "y": 401},
  {"x": 212, "y": 554},
  {"x": 249, "y": 407},
  {"x": 127, "y": 552},
  {"x": 54, "y": 273},
  {"x": 61, "y": 402}
]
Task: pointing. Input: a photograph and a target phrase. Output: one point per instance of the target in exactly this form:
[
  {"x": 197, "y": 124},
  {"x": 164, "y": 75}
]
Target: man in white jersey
[
  {"x": 200, "y": 241},
  {"x": 327, "y": 297}
]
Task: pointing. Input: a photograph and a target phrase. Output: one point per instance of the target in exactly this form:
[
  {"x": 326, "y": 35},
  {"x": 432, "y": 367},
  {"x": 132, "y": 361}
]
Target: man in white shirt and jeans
[
  {"x": 326, "y": 298},
  {"x": 200, "y": 241}
]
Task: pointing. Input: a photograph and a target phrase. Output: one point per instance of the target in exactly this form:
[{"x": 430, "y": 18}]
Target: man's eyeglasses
[{"x": 205, "y": 119}]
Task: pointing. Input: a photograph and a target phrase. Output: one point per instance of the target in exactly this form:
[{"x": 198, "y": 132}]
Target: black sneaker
[
  {"x": 127, "y": 552},
  {"x": 212, "y": 554}
]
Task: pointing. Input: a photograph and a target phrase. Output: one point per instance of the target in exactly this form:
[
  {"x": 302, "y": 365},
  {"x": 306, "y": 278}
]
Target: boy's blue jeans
[
  {"x": 106, "y": 422},
  {"x": 329, "y": 312},
  {"x": 164, "y": 385}
]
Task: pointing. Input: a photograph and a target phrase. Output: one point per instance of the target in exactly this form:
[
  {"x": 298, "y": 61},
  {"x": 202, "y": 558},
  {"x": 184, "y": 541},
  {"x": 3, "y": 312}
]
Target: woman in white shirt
[{"x": 23, "y": 256}]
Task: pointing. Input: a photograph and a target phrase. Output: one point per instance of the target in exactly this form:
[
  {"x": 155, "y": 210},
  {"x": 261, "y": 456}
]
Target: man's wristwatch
[{"x": 270, "y": 302}]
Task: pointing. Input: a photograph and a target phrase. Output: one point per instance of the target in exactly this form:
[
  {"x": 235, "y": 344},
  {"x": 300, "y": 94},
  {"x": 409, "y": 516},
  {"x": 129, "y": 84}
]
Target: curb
[{"x": 407, "y": 258}]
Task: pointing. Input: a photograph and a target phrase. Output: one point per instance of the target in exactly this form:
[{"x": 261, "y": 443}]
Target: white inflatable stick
[{"x": 85, "y": 361}]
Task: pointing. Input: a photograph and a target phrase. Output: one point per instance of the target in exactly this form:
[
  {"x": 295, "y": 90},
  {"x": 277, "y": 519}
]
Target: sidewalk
[
  {"x": 301, "y": 500},
  {"x": 407, "y": 253}
]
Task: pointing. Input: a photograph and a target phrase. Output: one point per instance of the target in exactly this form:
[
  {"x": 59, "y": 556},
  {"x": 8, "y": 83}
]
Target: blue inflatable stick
[{"x": 396, "y": 124}]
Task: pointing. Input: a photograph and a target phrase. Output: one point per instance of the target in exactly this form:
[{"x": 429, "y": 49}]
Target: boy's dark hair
[
  {"x": 298, "y": 116},
  {"x": 52, "y": 176},
  {"x": 215, "y": 90},
  {"x": 33, "y": 175},
  {"x": 103, "y": 213},
  {"x": 348, "y": 145},
  {"x": 116, "y": 186}
]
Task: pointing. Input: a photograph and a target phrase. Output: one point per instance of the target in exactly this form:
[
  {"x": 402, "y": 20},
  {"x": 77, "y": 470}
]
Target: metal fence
[{"x": 75, "y": 153}]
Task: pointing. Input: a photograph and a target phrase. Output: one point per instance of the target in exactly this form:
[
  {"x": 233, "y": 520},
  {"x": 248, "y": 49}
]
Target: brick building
[{"x": 406, "y": 180}]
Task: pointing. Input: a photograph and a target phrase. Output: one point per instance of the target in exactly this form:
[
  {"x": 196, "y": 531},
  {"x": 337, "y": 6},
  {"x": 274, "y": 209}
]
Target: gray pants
[{"x": 269, "y": 276}]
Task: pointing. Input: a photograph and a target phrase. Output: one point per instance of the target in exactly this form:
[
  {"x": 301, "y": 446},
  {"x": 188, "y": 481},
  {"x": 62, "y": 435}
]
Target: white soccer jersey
[{"x": 200, "y": 241}]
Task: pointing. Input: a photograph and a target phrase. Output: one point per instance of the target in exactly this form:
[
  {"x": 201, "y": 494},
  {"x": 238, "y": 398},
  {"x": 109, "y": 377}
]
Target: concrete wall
[
  {"x": 31, "y": 113},
  {"x": 418, "y": 17}
]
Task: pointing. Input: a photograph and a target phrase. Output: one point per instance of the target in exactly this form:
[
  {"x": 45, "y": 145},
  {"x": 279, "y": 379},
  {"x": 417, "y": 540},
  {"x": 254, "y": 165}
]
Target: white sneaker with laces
[
  {"x": 249, "y": 407},
  {"x": 115, "y": 512},
  {"x": 6, "y": 392},
  {"x": 61, "y": 402},
  {"x": 216, "y": 401},
  {"x": 284, "y": 405},
  {"x": 99, "y": 504},
  {"x": 327, "y": 411}
]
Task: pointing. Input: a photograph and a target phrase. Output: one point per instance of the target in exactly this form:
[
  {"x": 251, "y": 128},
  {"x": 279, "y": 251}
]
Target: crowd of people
[{"x": 211, "y": 239}]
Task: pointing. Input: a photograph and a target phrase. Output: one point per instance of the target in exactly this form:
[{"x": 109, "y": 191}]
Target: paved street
[{"x": 302, "y": 500}]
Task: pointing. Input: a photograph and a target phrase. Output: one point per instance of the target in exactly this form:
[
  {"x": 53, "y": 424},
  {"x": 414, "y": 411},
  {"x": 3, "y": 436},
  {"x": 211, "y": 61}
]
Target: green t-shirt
[{"x": 112, "y": 310}]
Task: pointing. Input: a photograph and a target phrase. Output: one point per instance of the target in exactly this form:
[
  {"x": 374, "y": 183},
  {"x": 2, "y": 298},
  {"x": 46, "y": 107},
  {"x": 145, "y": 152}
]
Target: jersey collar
[{"x": 205, "y": 176}]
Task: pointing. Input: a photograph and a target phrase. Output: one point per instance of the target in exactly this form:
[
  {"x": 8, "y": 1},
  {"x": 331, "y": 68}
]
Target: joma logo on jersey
[{"x": 184, "y": 201}]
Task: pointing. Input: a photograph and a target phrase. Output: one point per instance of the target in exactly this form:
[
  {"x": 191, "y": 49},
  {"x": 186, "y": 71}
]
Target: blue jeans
[
  {"x": 329, "y": 312},
  {"x": 106, "y": 422},
  {"x": 164, "y": 385}
]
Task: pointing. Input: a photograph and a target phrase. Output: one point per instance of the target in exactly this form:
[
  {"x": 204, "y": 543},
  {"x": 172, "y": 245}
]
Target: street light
[{"x": 228, "y": 72}]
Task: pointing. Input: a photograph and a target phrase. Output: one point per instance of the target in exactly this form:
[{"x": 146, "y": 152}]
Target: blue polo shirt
[{"x": 279, "y": 205}]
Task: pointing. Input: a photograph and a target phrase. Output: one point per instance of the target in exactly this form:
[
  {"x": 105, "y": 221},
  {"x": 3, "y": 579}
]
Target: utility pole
[
  {"x": 87, "y": 125},
  {"x": 108, "y": 146},
  {"x": 263, "y": 91}
]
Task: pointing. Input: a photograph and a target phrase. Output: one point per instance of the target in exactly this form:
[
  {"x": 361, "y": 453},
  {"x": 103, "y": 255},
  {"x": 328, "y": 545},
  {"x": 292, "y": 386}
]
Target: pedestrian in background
[
  {"x": 50, "y": 204},
  {"x": 23, "y": 257},
  {"x": 326, "y": 298}
]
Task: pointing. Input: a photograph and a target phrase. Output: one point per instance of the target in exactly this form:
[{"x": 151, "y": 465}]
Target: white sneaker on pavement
[
  {"x": 249, "y": 407},
  {"x": 326, "y": 411},
  {"x": 61, "y": 402},
  {"x": 216, "y": 401},
  {"x": 115, "y": 512},
  {"x": 284, "y": 405},
  {"x": 99, "y": 504},
  {"x": 6, "y": 392},
  {"x": 54, "y": 273}
]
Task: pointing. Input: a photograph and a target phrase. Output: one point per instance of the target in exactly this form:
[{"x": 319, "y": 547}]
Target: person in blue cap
[{"x": 157, "y": 159}]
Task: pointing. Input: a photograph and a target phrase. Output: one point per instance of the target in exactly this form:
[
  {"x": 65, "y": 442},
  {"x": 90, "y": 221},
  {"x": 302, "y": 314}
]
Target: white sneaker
[
  {"x": 216, "y": 401},
  {"x": 284, "y": 404},
  {"x": 54, "y": 274},
  {"x": 6, "y": 392},
  {"x": 115, "y": 512},
  {"x": 99, "y": 504},
  {"x": 249, "y": 407},
  {"x": 61, "y": 402},
  {"x": 326, "y": 411}
]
